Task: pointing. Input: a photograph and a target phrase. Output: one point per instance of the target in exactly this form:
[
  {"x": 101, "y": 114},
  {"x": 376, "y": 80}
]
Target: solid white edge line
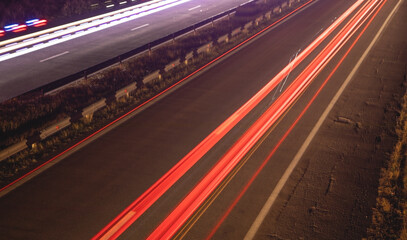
[
  {"x": 55, "y": 56},
  {"x": 270, "y": 201}
]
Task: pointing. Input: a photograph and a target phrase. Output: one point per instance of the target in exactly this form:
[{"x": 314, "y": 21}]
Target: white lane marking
[
  {"x": 194, "y": 8},
  {"x": 145, "y": 25},
  {"x": 278, "y": 86},
  {"x": 55, "y": 56},
  {"x": 291, "y": 68},
  {"x": 270, "y": 201},
  {"x": 281, "y": 84},
  {"x": 320, "y": 30}
]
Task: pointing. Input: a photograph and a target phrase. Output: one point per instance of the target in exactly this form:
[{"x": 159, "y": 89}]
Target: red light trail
[
  {"x": 209, "y": 183},
  {"x": 264, "y": 163},
  {"x": 83, "y": 141},
  {"x": 138, "y": 207}
]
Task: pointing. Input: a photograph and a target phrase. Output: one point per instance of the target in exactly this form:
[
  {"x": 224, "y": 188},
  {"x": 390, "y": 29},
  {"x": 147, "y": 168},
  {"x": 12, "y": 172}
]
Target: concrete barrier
[
  {"x": 258, "y": 20},
  {"x": 172, "y": 65},
  {"x": 10, "y": 151},
  {"x": 247, "y": 26},
  {"x": 236, "y": 32},
  {"x": 55, "y": 128},
  {"x": 153, "y": 76},
  {"x": 268, "y": 15},
  {"x": 88, "y": 111},
  {"x": 204, "y": 48},
  {"x": 224, "y": 38},
  {"x": 189, "y": 56},
  {"x": 277, "y": 10},
  {"x": 125, "y": 92}
]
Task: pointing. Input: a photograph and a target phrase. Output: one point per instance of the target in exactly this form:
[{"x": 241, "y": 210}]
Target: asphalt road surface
[
  {"x": 77, "y": 197},
  {"x": 29, "y": 71}
]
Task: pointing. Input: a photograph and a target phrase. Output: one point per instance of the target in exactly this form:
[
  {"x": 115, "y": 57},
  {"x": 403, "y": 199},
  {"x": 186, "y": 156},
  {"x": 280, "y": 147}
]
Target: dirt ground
[{"x": 333, "y": 189}]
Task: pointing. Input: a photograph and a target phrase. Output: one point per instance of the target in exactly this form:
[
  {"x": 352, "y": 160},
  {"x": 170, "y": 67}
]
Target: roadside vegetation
[
  {"x": 25, "y": 116},
  {"x": 389, "y": 219}
]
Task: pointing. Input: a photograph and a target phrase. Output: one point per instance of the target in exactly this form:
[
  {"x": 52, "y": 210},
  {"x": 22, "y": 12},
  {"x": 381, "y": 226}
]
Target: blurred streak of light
[
  {"x": 225, "y": 165},
  {"x": 138, "y": 207},
  {"x": 81, "y": 30}
]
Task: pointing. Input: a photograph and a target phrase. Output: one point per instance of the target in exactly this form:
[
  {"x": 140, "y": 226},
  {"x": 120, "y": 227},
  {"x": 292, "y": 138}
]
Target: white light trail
[{"x": 80, "y": 28}]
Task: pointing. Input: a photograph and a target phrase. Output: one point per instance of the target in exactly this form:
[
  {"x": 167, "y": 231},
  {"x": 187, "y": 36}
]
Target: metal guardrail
[
  {"x": 88, "y": 111},
  {"x": 83, "y": 73}
]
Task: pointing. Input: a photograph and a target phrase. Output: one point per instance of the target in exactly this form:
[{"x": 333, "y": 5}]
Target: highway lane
[
  {"x": 234, "y": 156},
  {"x": 158, "y": 189},
  {"x": 26, "y": 72},
  {"x": 90, "y": 187},
  {"x": 237, "y": 223}
]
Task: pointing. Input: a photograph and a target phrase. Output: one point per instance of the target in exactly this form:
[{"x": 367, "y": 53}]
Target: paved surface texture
[
  {"x": 77, "y": 197},
  {"x": 332, "y": 190}
]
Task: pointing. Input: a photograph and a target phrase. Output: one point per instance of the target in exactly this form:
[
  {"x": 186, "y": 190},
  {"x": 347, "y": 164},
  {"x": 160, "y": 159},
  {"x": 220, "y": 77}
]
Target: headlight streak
[
  {"x": 32, "y": 22},
  {"x": 10, "y": 27},
  {"x": 89, "y": 27}
]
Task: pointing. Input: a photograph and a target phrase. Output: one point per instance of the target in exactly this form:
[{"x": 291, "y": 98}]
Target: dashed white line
[
  {"x": 145, "y": 25},
  {"x": 291, "y": 68},
  {"x": 194, "y": 8},
  {"x": 55, "y": 56}
]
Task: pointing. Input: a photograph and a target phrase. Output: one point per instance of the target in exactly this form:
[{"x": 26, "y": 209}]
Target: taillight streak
[
  {"x": 141, "y": 204},
  {"x": 162, "y": 185},
  {"x": 253, "y": 229},
  {"x": 209, "y": 183}
]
